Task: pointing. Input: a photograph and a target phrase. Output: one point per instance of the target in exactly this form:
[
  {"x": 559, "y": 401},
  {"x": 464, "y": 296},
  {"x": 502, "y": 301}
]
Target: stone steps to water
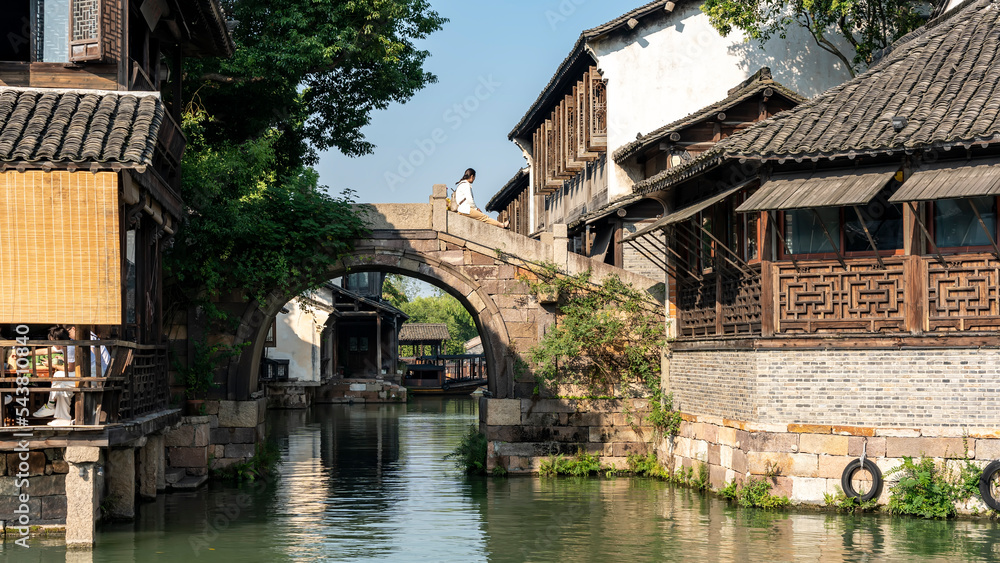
[
  {"x": 174, "y": 475},
  {"x": 189, "y": 483}
]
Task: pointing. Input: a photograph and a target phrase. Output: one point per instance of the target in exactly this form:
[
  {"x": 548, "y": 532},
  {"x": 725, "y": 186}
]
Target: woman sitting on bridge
[{"x": 466, "y": 205}]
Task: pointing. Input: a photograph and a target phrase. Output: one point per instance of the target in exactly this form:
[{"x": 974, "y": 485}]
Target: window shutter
[{"x": 85, "y": 31}]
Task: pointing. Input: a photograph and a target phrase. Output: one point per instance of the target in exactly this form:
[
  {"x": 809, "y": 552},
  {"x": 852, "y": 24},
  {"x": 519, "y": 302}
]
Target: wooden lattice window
[
  {"x": 598, "y": 121},
  {"x": 86, "y": 30}
]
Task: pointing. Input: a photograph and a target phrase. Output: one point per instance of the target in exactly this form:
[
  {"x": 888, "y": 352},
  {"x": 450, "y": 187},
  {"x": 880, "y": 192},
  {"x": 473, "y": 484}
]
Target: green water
[{"x": 367, "y": 483}]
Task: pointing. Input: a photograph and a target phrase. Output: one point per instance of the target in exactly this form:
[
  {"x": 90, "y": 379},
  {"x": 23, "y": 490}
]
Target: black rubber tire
[
  {"x": 853, "y": 467},
  {"x": 445, "y": 387},
  {"x": 990, "y": 474}
]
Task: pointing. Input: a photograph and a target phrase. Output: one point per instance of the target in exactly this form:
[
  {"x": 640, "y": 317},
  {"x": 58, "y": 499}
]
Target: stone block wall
[
  {"x": 522, "y": 433},
  {"x": 804, "y": 462},
  {"x": 226, "y": 434},
  {"x": 925, "y": 388},
  {"x": 45, "y": 486}
]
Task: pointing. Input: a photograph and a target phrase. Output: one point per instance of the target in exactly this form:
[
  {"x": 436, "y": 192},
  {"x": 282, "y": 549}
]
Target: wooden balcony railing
[
  {"x": 126, "y": 380},
  {"x": 724, "y": 303},
  {"x": 905, "y": 294}
]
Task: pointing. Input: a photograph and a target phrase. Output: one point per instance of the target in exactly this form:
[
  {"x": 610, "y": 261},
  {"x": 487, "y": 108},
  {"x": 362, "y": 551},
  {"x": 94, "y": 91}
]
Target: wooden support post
[
  {"x": 914, "y": 294},
  {"x": 768, "y": 313}
]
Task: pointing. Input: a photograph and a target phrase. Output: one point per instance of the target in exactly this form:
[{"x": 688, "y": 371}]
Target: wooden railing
[
  {"x": 722, "y": 303},
  {"x": 905, "y": 294},
  {"x": 125, "y": 380},
  {"x": 827, "y": 297}
]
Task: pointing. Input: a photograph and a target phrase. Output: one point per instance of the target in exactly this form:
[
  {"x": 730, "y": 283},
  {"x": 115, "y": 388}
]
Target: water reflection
[{"x": 369, "y": 483}]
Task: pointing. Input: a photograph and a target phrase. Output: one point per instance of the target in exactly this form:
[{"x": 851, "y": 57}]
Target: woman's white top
[{"x": 463, "y": 195}]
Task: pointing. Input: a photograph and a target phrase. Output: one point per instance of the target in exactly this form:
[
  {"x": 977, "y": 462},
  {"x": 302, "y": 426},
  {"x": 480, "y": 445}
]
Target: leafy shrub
[
  {"x": 580, "y": 465},
  {"x": 470, "y": 454},
  {"x": 844, "y": 503},
  {"x": 646, "y": 466},
  {"x": 923, "y": 490},
  {"x": 264, "y": 463},
  {"x": 662, "y": 415},
  {"x": 753, "y": 493},
  {"x": 608, "y": 337}
]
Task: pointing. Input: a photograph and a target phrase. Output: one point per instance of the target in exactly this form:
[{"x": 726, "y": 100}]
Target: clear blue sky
[{"x": 492, "y": 59}]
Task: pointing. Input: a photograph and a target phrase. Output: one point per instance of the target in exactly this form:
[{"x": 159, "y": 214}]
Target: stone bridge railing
[{"x": 552, "y": 247}]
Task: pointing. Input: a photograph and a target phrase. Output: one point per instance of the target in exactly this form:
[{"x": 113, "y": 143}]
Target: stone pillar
[
  {"x": 83, "y": 490},
  {"x": 560, "y": 245},
  {"x": 120, "y": 500},
  {"x": 151, "y": 472},
  {"x": 439, "y": 208}
]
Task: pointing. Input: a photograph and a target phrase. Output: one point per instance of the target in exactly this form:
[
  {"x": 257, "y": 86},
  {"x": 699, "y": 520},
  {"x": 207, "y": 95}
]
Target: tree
[
  {"x": 305, "y": 76},
  {"x": 314, "y": 70},
  {"x": 398, "y": 290},
  {"x": 443, "y": 308},
  {"x": 867, "y": 26}
]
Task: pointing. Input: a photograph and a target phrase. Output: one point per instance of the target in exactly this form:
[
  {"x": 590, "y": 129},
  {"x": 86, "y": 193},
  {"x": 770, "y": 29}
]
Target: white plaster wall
[
  {"x": 298, "y": 337},
  {"x": 673, "y": 65}
]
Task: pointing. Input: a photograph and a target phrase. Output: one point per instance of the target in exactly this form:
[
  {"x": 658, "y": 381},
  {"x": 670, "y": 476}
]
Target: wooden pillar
[
  {"x": 768, "y": 312},
  {"x": 378, "y": 344}
]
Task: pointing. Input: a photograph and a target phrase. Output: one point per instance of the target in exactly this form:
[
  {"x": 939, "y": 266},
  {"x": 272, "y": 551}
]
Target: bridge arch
[
  {"x": 409, "y": 262},
  {"x": 478, "y": 264}
]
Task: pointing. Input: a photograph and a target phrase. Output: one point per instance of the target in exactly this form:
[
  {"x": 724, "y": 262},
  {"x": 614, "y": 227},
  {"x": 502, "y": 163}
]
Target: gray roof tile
[
  {"x": 423, "y": 332},
  {"x": 944, "y": 78},
  {"x": 78, "y": 126}
]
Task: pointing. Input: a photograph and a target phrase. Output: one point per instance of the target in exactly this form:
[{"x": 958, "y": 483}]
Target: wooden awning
[
  {"x": 59, "y": 248},
  {"x": 688, "y": 211},
  {"x": 822, "y": 188},
  {"x": 949, "y": 180}
]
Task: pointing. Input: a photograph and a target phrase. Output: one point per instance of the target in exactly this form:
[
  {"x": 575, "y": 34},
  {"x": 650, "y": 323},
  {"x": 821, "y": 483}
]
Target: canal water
[{"x": 369, "y": 483}]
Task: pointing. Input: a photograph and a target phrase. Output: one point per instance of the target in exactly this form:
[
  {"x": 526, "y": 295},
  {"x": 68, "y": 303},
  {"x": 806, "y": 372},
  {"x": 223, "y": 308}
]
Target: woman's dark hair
[
  {"x": 59, "y": 332},
  {"x": 469, "y": 173}
]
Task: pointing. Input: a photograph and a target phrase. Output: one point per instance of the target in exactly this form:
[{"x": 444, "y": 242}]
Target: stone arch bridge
[{"x": 477, "y": 263}]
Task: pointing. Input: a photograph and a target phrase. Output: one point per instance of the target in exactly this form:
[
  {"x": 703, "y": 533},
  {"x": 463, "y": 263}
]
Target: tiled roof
[
  {"x": 760, "y": 81},
  {"x": 509, "y": 191},
  {"x": 605, "y": 210},
  {"x": 38, "y": 125},
  {"x": 943, "y": 78},
  {"x": 423, "y": 332},
  {"x": 209, "y": 33},
  {"x": 575, "y": 55},
  {"x": 703, "y": 162}
]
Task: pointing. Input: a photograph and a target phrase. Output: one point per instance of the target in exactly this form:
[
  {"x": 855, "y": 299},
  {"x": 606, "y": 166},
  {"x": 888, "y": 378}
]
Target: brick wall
[
  {"x": 907, "y": 388},
  {"x": 715, "y": 383}
]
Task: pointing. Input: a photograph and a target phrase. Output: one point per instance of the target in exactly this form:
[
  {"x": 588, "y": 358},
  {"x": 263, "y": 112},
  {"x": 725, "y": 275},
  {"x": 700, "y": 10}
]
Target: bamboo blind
[{"x": 59, "y": 254}]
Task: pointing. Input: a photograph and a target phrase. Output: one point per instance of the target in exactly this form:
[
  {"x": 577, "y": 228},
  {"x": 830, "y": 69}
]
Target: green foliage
[
  {"x": 470, "y": 454},
  {"x": 968, "y": 480},
  {"x": 198, "y": 375},
  {"x": 753, "y": 493},
  {"x": 646, "y": 466},
  {"x": 868, "y": 26},
  {"x": 252, "y": 226},
  {"x": 314, "y": 70},
  {"x": 923, "y": 490},
  {"x": 580, "y": 465},
  {"x": 398, "y": 289},
  {"x": 443, "y": 308},
  {"x": 607, "y": 337},
  {"x": 306, "y": 75},
  {"x": 702, "y": 483},
  {"x": 662, "y": 415},
  {"x": 844, "y": 503},
  {"x": 264, "y": 463}
]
